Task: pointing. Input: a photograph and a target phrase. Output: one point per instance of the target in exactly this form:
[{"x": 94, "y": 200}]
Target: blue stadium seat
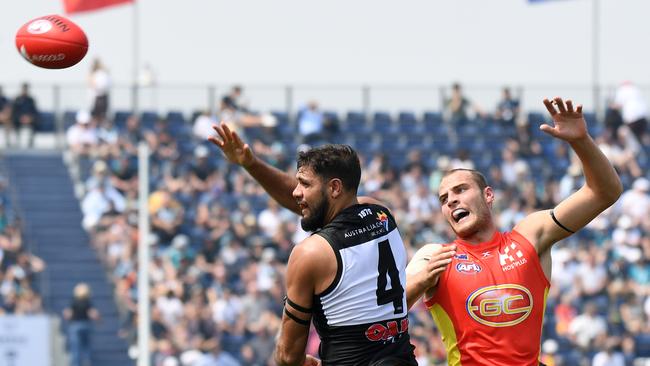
[
  {"x": 468, "y": 131},
  {"x": 430, "y": 117},
  {"x": 120, "y": 118},
  {"x": 355, "y": 116},
  {"x": 494, "y": 131},
  {"x": 443, "y": 146},
  {"x": 175, "y": 117},
  {"x": 382, "y": 122},
  {"x": 331, "y": 115},
  {"x": 433, "y": 124},
  {"x": 46, "y": 122},
  {"x": 366, "y": 144},
  {"x": 69, "y": 118},
  {"x": 148, "y": 119},
  {"x": 392, "y": 141},
  {"x": 642, "y": 343},
  {"x": 356, "y": 123},
  {"x": 416, "y": 140},
  {"x": 536, "y": 118},
  {"x": 407, "y": 122},
  {"x": 593, "y": 125}
]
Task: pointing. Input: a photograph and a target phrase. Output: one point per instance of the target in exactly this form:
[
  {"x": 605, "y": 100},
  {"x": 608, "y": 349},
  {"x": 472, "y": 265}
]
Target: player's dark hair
[
  {"x": 333, "y": 161},
  {"x": 476, "y": 175}
]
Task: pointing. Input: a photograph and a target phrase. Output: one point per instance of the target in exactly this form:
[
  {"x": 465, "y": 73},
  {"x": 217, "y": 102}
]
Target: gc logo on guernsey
[{"x": 500, "y": 305}]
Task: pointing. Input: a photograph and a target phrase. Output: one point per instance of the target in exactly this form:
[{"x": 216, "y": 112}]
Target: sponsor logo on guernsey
[
  {"x": 387, "y": 332},
  {"x": 461, "y": 256},
  {"x": 377, "y": 228},
  {"x": 383, "y": 218},
  {"x": 487, "y": 254},
  {"x": 500, "y": 305},
  {"x": 512, "y": 257},
  {"x": 468, "y": 267}
]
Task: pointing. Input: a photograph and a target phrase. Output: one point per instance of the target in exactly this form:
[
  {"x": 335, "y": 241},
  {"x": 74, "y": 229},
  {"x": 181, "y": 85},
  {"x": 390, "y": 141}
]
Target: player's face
[
  {"x": 311, "y": 196},
  {"x": 465, "y": 206}
]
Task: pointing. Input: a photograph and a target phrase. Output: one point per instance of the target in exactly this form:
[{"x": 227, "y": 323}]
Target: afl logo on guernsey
[
  {"x": 500, "y": 305},
  {"x": 468, "y": 267}
]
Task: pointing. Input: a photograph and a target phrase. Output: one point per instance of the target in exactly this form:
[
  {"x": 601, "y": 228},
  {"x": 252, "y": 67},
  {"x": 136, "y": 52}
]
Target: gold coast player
[
  {"x": 350, "y": 275},
  {"x": 489, "y": 302}
]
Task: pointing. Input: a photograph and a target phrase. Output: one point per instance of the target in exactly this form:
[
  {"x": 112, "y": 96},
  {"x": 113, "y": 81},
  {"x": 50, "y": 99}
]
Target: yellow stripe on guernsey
[
  {"x": 446, "y": 327},
  {"x": 539, "y": 356}
]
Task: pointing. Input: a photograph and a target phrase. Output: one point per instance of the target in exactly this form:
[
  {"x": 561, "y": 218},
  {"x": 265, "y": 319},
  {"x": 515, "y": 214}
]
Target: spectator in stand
[
  {"x": 634, "y": 110},
  {"x": 203, "y": 125},
  {"x": 100, "y": 200},
  {"x": 167, "y": 215},
  {"x": 512, "y": 167},
  {"x": 236, "y": 112},
  {"x": 5, "y": 117},
  {"x": 635, "y": 202},
  {"x": 99, "y": 83},
  {"x": 462, "y": 160},
  {"x": 610, "y": 354},
  {"x": 459, "y": 109},
  {"x": 620, "y": 154},
  {"x": 588, "y": 329},
  {"x": 108, "y": 137},
  {"x": 311, "y": 123},
  {"x": 507, "y": 111},
  {"x": 82, "y": 137},
  {"x": 80, "y": 315},
  {"x": 24, "y": 114},
  {"x": 201, "y": 170},
  {"x": 272, "y": 217},
  {"x": 124, "y": 175},
  {"x": 130, "y": 137}
]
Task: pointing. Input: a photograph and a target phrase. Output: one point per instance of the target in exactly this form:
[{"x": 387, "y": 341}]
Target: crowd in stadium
[
  {"x": 18, "y": 267},
  {"x": 220, "y": 245}
]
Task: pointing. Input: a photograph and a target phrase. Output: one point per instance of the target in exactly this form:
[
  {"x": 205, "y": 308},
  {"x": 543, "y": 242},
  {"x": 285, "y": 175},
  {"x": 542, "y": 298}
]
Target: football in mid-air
[{"x": 52, "y": 42}]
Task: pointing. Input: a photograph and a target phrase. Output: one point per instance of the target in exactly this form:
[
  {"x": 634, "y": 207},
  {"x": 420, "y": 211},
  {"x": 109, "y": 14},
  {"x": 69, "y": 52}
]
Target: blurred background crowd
[{"x": 220, "y": 245}]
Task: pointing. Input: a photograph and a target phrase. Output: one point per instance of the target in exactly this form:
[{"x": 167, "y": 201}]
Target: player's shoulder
[
  {"x": 372, "y": 201},
  {"x": 427, "y": 249},
  {"x": 312, "y": 257},
  {"x": 310, "y": 250}
]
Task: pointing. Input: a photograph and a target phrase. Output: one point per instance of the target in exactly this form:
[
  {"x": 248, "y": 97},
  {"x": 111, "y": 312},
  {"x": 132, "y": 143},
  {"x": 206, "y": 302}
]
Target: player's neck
[
  {"x": 481, "y": 236},
  {"x": 338, "y": 206}
]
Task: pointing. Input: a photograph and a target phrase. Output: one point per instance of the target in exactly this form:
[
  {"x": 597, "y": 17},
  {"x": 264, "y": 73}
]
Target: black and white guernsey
[{"x": 362, "y": 316}]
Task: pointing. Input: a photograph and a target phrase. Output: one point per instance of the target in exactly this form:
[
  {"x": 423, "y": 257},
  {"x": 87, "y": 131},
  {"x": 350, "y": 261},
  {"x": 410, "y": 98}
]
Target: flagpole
[
  {"x": 595, "y": 54},
  {"x": 144, "y": 316},
  {"x": 136, "y": 58}
]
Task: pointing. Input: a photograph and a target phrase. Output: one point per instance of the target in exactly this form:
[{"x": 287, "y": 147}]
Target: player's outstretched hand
[
  {"x": 568, "y": 123},
  {"x": 233, "y": 148}
]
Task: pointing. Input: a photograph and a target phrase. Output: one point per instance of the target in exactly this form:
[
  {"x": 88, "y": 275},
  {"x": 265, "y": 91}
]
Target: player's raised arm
[
  {"x": 278, "y": 184},
  {"x": 601, "y": 189}
]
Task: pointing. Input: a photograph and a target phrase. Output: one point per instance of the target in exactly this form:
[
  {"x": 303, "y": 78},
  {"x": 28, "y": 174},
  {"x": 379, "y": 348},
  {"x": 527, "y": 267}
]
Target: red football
[{"x": 52, "y": 42}]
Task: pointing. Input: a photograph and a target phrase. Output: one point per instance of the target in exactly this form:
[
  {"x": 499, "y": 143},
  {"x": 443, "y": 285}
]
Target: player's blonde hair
[{"x": 476, "y": 175}]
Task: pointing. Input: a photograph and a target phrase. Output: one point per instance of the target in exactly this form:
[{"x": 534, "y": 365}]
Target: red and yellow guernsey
[{"x": 489, "y": 304}]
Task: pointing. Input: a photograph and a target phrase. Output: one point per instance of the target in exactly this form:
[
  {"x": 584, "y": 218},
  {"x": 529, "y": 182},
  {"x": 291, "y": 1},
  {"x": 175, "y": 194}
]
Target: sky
[{"x": 327, "y": 50}]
